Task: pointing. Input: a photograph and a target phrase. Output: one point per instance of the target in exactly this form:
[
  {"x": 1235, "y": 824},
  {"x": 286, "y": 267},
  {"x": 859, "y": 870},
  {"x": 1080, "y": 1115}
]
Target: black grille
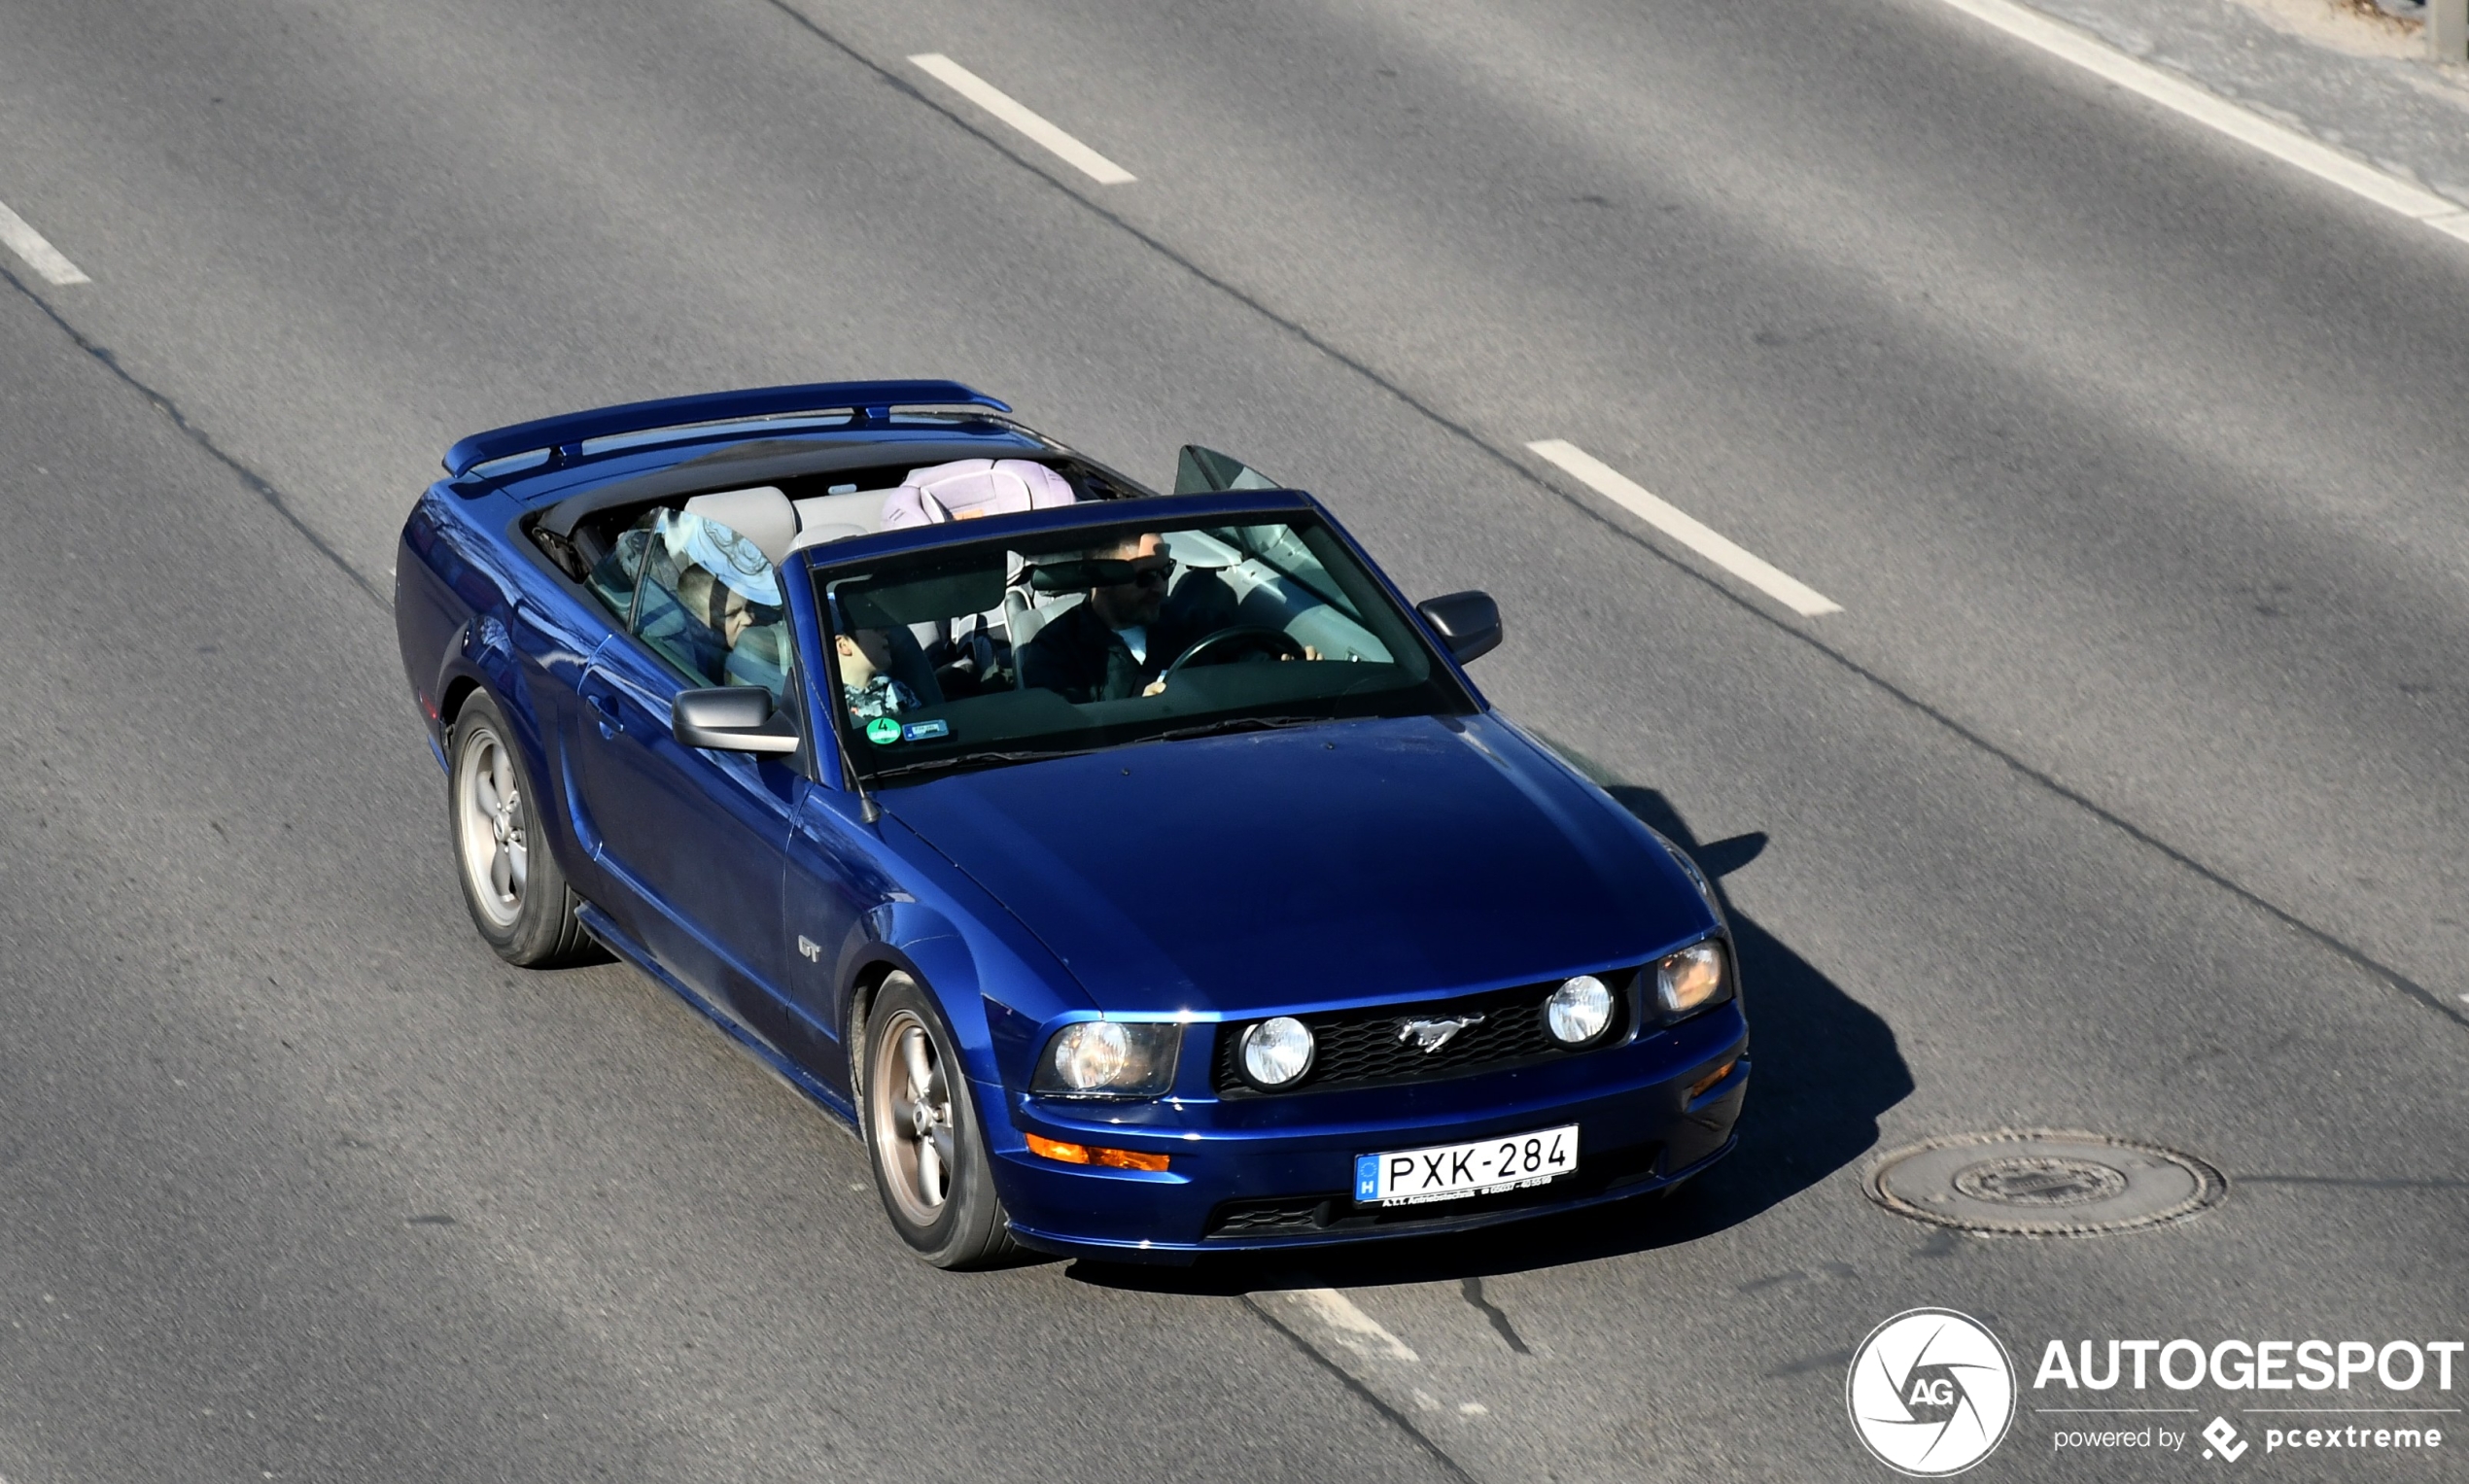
[
  {"x": 1365, "y": 1047},
  {"x": 1258, "y": 1217}
]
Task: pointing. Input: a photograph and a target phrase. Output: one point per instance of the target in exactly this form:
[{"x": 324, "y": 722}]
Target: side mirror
[
  {"x": 734, "y": 718},
  {"x": 1469, "y": 623}
]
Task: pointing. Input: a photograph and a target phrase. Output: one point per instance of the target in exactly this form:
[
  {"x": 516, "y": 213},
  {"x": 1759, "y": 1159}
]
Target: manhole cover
[
  {"x": 2036, "y": 1180},
  {"x": 2036, "y": 1183}
]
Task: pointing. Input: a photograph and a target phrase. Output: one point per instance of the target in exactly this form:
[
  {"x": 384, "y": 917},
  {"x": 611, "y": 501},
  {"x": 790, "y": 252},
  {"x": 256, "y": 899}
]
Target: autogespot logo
[{"x": 1931, "y": 1392}]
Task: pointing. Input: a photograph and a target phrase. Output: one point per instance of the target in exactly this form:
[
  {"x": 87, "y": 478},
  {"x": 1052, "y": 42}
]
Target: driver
[{"x": 1111, "y": 647}]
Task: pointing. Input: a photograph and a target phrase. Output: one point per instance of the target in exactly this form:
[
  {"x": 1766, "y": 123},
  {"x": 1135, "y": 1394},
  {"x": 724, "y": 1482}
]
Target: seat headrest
[{"x": 762, "y": 515}]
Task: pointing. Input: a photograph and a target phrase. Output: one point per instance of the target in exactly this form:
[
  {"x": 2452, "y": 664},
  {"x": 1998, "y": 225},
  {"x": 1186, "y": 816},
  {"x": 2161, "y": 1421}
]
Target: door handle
[{"x": 604, "y": 707}]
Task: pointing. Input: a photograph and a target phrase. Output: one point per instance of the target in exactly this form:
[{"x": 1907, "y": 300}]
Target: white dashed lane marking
[
  {"x": 1347, "y": 1325},
  {"x": 39, "y": 254},
  {"x": 1686, "y": 529},
  {"x": 2215, "y": 112},
  {"x": 1003, "y": 105}
]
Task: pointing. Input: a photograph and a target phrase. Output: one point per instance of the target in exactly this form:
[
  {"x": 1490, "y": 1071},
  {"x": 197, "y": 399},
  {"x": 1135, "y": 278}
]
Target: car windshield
[{"x": 994, "y": 653}]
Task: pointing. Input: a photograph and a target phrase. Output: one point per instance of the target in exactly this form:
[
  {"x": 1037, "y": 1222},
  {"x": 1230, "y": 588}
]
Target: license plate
[{"x": 1412, "y": 1177}]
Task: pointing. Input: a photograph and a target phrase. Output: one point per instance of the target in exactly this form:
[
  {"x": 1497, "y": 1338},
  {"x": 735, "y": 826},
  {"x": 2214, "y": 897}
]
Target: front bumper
[{"x": 1278, "y": 1172}]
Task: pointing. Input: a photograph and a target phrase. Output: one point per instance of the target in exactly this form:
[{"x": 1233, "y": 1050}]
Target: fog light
[
  {"x": 1690, "y": 979},
  {"x": 1578, "y": 1011},
  {"x": 1276, "y": 1052},
  {"x": 1089, "y": 1154}
]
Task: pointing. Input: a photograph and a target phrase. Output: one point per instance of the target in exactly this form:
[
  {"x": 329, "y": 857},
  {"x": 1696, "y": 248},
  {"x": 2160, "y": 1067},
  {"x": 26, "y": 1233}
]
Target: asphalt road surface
[{"x": 2125, "y": 792}]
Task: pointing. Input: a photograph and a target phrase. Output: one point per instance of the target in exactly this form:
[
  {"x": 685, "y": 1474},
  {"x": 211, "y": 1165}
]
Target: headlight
[
  {"x": 1109, "y": 1058},
  {"x": 1277, "y": 1052},
  {"x": 1692, "y": 979},
  {"x": 1578, "y": 1011}
]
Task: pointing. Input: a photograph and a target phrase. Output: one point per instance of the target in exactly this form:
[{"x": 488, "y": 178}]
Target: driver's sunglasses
[{"x": 1151, "y": 576}]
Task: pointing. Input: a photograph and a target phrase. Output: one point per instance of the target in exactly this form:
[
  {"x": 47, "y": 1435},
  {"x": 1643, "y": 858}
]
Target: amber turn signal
[
  {"x": 1699, "y": 1088},
  {"x": 1086, "y": 1153}
]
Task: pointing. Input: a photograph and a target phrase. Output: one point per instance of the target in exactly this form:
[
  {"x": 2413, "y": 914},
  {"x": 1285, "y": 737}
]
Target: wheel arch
[
  {"x": 532, "y": 735},
  {"x": 864, "y": 985},
  {"x": 458, "y": 691},
  {"x": 941, "y": 962}
]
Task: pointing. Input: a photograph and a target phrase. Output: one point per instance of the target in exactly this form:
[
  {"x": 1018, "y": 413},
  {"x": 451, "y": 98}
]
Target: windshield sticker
[
  {"x": 922, "y": 730},
  {"x": 882, "y": 731}
]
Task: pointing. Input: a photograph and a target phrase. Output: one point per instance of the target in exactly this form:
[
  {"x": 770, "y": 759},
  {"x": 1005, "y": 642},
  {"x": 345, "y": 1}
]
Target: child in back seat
[{"x": 866, "y": 683}]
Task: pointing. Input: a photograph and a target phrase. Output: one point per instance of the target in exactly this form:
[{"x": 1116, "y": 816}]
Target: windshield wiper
[
  {"x": 975, "y": 760},
  {"x": 1228, "y": 724},
  {"x": 982, "y": 759}
]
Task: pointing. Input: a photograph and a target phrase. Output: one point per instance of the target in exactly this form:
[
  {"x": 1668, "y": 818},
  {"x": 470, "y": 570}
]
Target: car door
[
  {"x": 840, "y": 875},
  {"x": 695, "y": 838},
  {"x": 835, "y": 878}
]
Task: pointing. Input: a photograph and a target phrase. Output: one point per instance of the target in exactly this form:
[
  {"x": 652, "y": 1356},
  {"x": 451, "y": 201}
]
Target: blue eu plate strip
[{"x": 1366, "y": 1177}]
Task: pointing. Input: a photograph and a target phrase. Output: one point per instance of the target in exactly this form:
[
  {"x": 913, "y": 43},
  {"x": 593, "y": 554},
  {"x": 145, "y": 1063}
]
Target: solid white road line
[
  {"x": 2212, "y": 111},
  {"x": 1003, "y": 105},
  {"x": 40, "y": 256},
  {"x": 1686, "y": 529}
]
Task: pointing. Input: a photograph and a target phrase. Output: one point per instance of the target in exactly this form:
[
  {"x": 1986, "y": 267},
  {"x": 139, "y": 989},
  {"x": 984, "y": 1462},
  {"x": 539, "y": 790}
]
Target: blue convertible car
[{"x": 1140, "y": 873}]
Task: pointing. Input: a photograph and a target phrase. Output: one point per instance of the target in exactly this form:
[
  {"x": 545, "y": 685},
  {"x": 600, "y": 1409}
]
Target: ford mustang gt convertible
[{"x": 1138, "y": 873}]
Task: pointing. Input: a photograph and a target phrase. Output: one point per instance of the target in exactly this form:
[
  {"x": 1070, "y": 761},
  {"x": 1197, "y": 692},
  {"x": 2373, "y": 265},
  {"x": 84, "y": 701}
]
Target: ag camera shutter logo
[{"x": 1931, "y": 1392}]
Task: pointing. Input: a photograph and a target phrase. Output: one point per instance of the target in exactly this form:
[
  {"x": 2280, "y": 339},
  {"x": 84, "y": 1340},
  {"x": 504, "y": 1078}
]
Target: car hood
[{"x": 1356, "y": 860}]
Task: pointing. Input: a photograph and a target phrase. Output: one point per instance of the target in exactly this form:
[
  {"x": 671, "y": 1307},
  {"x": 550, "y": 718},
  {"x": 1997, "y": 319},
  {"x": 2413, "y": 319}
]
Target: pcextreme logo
[{"x": 1930, "y": 1392}]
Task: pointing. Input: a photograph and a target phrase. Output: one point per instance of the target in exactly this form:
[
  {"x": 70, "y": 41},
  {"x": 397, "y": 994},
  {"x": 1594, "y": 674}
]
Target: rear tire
[
  {"x": 923, "y": 1136},
  {"x": 511, "y": 883}
]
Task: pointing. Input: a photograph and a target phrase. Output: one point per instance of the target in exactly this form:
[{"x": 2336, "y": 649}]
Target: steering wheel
[{"x": 1239, "y": 642}]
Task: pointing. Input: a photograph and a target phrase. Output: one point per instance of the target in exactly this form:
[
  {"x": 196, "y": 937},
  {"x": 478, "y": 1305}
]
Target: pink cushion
[{"x": 968, "y": 487}]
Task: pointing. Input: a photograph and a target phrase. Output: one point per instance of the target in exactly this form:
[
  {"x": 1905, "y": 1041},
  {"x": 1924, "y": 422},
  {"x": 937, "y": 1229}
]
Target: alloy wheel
[
  {"x": 912, "y": 1119},
  {"x": 493, "y": 826}
]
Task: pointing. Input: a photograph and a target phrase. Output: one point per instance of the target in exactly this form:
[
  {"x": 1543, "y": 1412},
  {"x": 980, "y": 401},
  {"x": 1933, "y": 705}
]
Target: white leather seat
[{"x": 824, "y": 518}]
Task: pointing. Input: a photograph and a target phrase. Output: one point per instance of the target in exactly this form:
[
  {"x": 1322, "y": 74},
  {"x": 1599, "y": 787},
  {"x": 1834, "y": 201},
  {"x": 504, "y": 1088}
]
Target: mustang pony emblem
[{"x": 1432, "y": 1035}]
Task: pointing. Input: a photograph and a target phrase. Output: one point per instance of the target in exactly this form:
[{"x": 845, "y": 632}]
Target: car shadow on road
[{"x": 1825, "y": 1068}]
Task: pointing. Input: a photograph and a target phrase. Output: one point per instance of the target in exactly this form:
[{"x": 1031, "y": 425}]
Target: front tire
[
  {"x": 511, "y": 883},
  {"x": 923, "y": 1136}
]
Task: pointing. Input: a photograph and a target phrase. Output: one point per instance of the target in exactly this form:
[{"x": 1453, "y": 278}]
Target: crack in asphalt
[
  {"x": 2356, "y": 957},
  {"x": 1405, "y": 1424},
  {"x": 263, "y": 487},
  {"x": 2359, "y": 1181},
  {"x": 1832, "y": 1359},
  {"x": 1473, "y": 1291}
]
